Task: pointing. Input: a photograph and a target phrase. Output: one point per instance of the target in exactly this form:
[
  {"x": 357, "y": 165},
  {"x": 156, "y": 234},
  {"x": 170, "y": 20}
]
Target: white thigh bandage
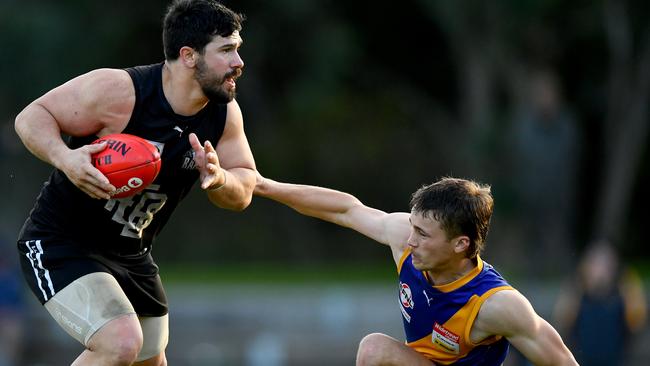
[
  {"x": 88, "y": 303},
  {"x": 155, "y": 331}
]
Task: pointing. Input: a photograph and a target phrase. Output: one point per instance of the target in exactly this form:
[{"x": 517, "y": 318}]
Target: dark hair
[
  {"x": 194, "y": 23},
  {"x": 462, "y": 207}
]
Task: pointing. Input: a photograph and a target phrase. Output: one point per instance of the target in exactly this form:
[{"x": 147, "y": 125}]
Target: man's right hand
[{"x": 77, "y": 166}]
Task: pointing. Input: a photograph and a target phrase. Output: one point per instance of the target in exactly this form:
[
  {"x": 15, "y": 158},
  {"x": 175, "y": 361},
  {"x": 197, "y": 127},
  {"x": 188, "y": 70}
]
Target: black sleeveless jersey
[{"x": 128, "y": 226}]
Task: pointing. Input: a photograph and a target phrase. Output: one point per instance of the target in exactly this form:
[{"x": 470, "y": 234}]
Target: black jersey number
[{"x": 136, "y": 212}]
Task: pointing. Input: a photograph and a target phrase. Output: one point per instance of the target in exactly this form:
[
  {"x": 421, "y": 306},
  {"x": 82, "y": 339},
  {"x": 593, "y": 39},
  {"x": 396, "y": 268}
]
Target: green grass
[{"x": 277, "y": 273}]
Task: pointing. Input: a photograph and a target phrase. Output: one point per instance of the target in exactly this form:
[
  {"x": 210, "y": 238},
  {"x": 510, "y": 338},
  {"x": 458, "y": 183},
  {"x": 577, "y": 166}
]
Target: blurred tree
[
  {"x": 626, "y": 121},
  {"x": 374, "y": 99}
]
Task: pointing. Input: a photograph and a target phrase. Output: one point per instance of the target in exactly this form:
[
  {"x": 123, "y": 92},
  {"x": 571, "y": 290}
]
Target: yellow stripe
[
  {"x": 406, "y": 253},
  {"x": 463, "y": 280},
  {"x": 472, "y": 316},
  {"x": 461, "y": 324}
]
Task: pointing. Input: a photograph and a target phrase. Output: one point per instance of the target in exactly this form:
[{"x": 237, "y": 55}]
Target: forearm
[
  {"x": 319, "y": 202},
  {"x": 237, "y": 191},
  {"x": 40, "y": 134}
]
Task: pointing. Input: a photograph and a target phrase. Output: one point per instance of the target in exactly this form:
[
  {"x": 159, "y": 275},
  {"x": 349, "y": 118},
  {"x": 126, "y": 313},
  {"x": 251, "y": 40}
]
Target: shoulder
[
  {"x": 234, "y": 125},
  {"x": 111, "y": 80},
  {"x": 233, "y": 114},
  {"x": 105, "y": 87},
  {"x": 505, "y": 313},
  {"x": 99, "y": 99}
]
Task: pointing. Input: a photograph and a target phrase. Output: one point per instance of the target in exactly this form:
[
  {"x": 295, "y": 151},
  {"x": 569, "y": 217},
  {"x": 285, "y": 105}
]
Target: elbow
[
  {"x": 19, "y": 124},
  {"x": 242, "y": 204},
  {"x": 237, "y": 206}
]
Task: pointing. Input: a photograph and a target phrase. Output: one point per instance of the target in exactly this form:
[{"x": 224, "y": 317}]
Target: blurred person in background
[
  {"x": 545, "y": 146},
  {"x": 87, "y": 257},
  {"x": 12, "y": 310},
  {"x": 456, "y": 308},
  {"x": 601, "y": 308}
]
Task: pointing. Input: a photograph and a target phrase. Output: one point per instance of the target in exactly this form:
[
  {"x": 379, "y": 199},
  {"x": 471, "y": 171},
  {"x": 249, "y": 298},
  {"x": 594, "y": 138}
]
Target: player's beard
[{"x": 212, "y": 84}]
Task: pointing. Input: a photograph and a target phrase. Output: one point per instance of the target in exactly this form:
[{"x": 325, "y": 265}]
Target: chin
[{"x": 417, "y": 265}]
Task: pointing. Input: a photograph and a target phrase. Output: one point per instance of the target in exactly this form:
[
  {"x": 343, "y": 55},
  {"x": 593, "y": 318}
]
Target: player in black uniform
[{"x": 87, "y": 257}]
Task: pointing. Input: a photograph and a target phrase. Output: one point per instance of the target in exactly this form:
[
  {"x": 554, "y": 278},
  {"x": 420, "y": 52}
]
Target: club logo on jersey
[
  {"x": 405, "y": 295},
  {"x": 188, "y": 160},
  {"x": 445, "y": 339}
]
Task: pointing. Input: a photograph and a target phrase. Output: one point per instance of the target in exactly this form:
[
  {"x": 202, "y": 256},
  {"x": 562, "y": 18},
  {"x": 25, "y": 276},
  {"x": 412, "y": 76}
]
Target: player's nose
[{"x": 237, "y": 61}]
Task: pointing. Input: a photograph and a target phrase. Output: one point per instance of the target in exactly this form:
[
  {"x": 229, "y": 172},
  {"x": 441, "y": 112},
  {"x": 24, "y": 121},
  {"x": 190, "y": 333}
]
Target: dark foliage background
[{"x": 544, "y": 100}]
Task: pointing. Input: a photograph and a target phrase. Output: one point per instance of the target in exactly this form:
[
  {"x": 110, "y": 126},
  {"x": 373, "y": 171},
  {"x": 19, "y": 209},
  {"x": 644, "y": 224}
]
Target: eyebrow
[{"x": 232, "y": 44}]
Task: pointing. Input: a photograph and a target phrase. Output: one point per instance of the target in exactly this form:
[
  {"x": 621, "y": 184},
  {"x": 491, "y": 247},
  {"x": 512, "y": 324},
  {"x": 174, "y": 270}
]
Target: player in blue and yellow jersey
[{"x": 456, "y": 308}]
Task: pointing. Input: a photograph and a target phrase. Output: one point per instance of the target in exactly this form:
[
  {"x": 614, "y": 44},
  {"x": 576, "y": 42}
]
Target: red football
[{"x": 129, "y": 162}]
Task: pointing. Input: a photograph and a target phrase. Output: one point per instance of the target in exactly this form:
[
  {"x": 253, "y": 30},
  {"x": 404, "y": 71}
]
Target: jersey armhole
[
  {"x": 405, "y": 255},
  {"x": 136, "y": 79},
  {"x": 474, "y": 313}
]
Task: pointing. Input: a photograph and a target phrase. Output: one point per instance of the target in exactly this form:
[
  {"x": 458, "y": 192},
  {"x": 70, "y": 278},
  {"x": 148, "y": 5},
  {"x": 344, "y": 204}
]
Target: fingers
[
  {"x": 81, "y": 172},
  {"x": 195, "y": 143},
  {"x": 211, "y": 156},
  {"x": 208, "y": 147},
  {"x": 95, "y": 184},
  {"x": 95, "y": 148},
  {"x": 207, "y": 161}
]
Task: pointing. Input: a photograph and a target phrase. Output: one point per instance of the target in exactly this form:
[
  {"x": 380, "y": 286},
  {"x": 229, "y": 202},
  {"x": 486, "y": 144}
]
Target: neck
[
  {"x": 451, "y": 273},
  {"x": 181, "y": 90}
]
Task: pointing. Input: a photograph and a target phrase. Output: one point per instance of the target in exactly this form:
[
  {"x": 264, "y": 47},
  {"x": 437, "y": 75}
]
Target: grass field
[{"x": 277, "y": 273}]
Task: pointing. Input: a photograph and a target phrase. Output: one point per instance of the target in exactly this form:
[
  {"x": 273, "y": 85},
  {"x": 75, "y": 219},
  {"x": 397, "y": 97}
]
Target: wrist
[
  {"x": 217, "y": 187},
  {"x": 57, "y": 156}
]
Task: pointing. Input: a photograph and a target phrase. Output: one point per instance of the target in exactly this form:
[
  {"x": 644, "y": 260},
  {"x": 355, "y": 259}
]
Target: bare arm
[
  {"x": 508, "y": 313},
  {"x": 99, "y": 102},
  {"x": 340, "y": 208},
  {"x": 227, "y": 171}
]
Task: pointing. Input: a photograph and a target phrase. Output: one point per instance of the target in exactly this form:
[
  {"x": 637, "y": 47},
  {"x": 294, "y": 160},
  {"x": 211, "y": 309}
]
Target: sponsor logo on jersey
[{"x": 445, "y": 339}]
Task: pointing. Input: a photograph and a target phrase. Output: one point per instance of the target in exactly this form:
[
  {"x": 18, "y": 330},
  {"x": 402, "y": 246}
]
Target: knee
[
  {"x": 126, "y": 349},
  {"x": 371, "y": 350},
  {"x": 118, "y": 348}
]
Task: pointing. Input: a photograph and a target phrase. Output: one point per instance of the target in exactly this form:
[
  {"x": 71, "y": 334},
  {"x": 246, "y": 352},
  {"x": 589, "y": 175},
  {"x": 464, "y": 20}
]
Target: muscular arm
[
  {"x": 342, "y": 209},
  {"x": 508, "y": 313},
  {"x": 227, "y": 171},
  {"x": 99, "y": 102}
]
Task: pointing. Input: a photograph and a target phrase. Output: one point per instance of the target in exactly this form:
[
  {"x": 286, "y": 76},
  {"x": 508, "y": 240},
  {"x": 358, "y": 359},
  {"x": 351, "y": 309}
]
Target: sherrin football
[{"x": 129, "y": 162}]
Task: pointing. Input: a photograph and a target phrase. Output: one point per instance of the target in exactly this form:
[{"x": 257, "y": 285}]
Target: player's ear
[
  {"x": 461, "y": 243},
  {"x": 188, "y": 56}
]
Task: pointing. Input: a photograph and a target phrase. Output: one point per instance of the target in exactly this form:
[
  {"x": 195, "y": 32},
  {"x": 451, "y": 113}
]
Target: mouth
[
  {"x": 230, "y": 79},
  {"x": 415, "y": 258},
  {"x": 230, "y": 83}
]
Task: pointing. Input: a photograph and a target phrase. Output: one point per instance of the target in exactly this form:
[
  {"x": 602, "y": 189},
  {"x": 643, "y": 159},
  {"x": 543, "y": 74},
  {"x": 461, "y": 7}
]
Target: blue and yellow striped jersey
[{"x": 438, "y": 319}]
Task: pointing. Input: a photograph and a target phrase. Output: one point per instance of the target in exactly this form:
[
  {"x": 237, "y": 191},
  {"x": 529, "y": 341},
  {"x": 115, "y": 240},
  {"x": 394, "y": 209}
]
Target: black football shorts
[{"x": 51, "y": 263}]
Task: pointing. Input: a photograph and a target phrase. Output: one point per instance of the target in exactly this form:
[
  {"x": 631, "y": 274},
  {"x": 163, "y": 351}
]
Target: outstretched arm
[
  {"x": 508, "y": 313},
  {"x": 342, "y": 209}
]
